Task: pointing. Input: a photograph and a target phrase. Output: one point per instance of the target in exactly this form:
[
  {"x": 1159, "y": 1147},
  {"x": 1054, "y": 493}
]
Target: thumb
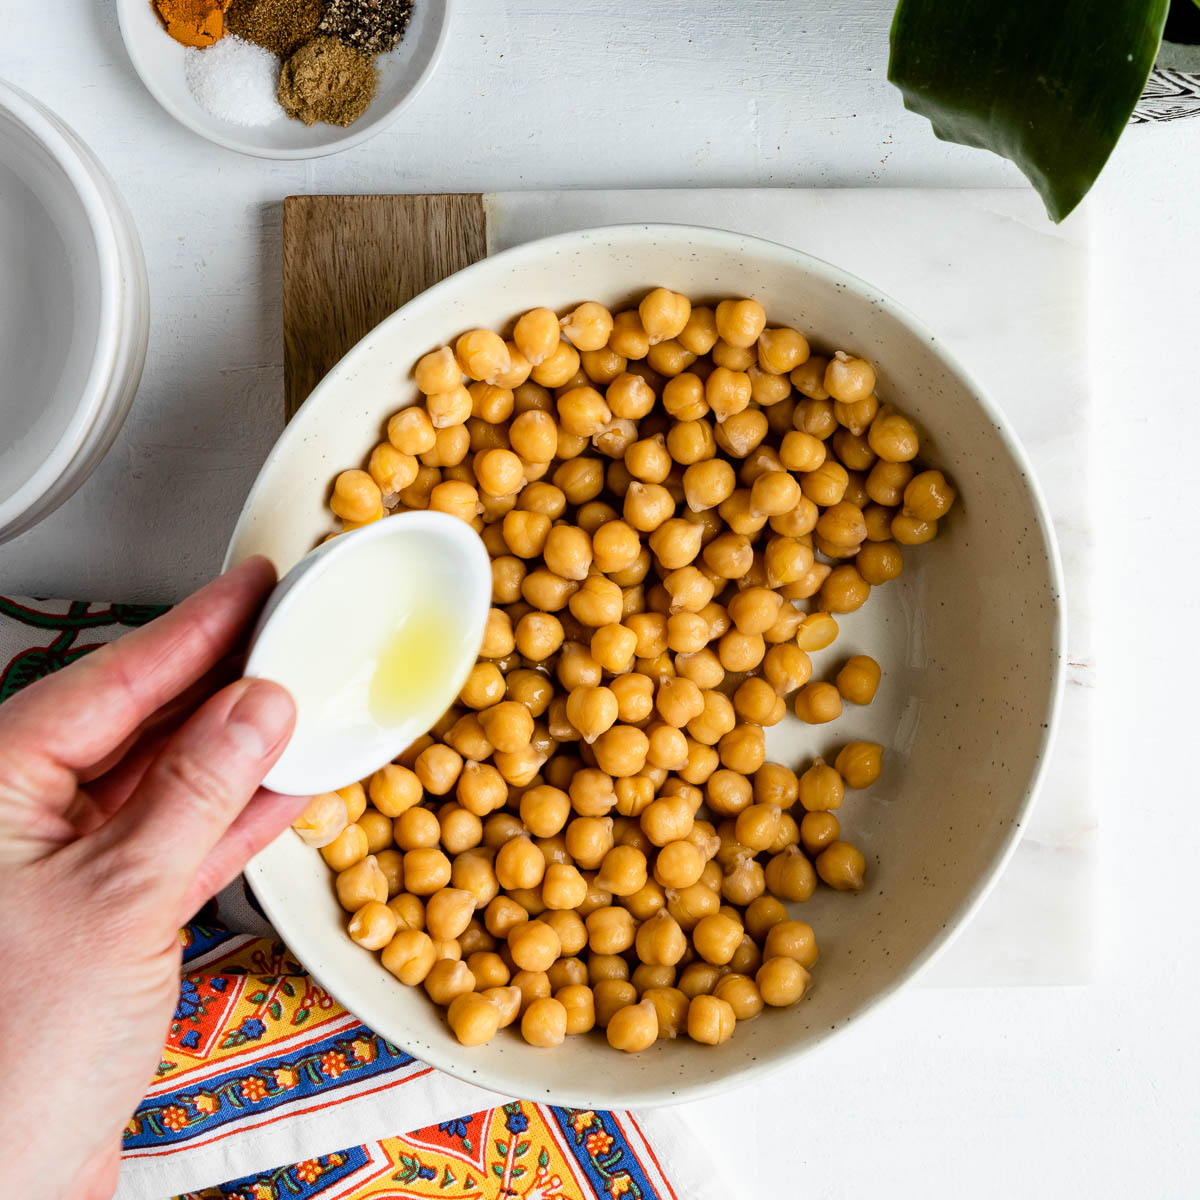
[{"x": 201, "y": 781}]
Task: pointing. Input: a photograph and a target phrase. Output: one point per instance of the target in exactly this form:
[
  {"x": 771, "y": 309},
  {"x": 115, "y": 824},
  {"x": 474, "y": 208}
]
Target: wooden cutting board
[{"x": 350, "y": 261}]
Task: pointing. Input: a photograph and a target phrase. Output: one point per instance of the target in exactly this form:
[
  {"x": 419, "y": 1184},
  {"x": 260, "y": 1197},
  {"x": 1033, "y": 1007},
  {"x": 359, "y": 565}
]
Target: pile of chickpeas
[{"x": 678, "y": 502}]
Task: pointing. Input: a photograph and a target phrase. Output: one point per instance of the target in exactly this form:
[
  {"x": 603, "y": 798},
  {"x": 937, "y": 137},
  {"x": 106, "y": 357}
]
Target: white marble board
[{"x": 1008, "y": 292}]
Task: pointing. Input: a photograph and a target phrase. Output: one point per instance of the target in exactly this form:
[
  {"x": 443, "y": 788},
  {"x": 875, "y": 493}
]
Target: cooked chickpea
[
  {"x": 448, "y": 912},
  {"x": 437, "y": 768},
  {"x": 349, "y": 847},
  {"x": 474, "y": 873},
  {"x": 535, "y": 437},
  {"x": 563, "y": 887},
  {"x": 928, "y": 496},
  {"x": 683, "y": 397},
  {"x": 622, "y": 871},
  {"x": 740, "y": 323},
  {"x": 849, "y": 379},
  {"x": 373, "y": 925},
  {"x": 754, "y": 609},
  {"x": 534, "y": 945},
  {"x": 531, "y": 986},
  {"x": 572, "y": 933},
  {"x": 629, "y": 337},
  {"x": 859, "y": 763},
  {"x": 710, "y": 1020},
  {"x": 743, "y": 749},
  {"x": 610, "y": 930},
  {"x": 792, "y": 939},
  {"x": 519, "y": 864},
  {"x": 699, "y": 979},
  {"x": 790, "y": 875},
  {"x": 716, "y": 937},
  {"x": 842, "y": 866},
  {"x": 718, "y": 717},
  {"x": 580, "y": 1006},
  {"x": 474, "y": 1018},
  {"x": 544, "y": 1022},
  {"x": 409, "y": 911},
  {"x": 634, "y": 1027},
  {"x": 356, "y": 497},
  {"x": 821, "y": 787},
  {"x": 892, "y": 436},
  {"x": 664, "y": 314},
  {"x": 740, "y": 651},
  {"x": 559, "y": 368},
  {"x": 481, "y": 789},
  {"x": 502, "y": 915},
  {"x": 818, "y": 703},
  {"x": 409, "y": 956},
  {"x": 668, "y": 819},
  {"x": 591, "y": 792},
  {"x": 782, "y": 981},
  {"x": 610, "y": 995},
  {"x": 426, "y": 870},
  {"x": 621, "y": 750},
  {"x": 482, "y": 354},
  {"x": 744, "y": 881},
  {"x": 879, "y": 562},
  {"x": 588, "y": 326},
  {"x": 415, "y": 828},
  {"x": 858, "y": 680},
  {"x": 756, "y": 700},
  {"x": 323, "y": 819},
  {"x": 691, "y": 442},
  {"x": 589, "y": 839},
  {"x": 360, "y": 884}
]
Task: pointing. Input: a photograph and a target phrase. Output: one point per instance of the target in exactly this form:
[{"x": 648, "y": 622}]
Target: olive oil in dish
[{"x": 373, "y": 635}]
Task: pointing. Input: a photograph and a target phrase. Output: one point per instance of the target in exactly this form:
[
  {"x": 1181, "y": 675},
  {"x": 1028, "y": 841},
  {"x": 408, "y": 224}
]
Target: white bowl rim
[
  {"x": 359, "y": 132},
  {"x": 62, "y": 145},
  {"x": 674, "y": 1093}
]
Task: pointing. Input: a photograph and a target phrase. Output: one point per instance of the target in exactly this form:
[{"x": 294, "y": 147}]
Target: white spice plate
[
  {"x": 971, "y": 640},
  {"x": 159, "y": 60}
]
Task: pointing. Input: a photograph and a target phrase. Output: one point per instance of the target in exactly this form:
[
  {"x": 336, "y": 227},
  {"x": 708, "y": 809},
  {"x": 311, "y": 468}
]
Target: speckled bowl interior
[{"x": 970, "y": 639}]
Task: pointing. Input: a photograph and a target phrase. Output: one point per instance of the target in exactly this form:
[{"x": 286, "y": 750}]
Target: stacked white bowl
[{"x": 74, "y": 311}]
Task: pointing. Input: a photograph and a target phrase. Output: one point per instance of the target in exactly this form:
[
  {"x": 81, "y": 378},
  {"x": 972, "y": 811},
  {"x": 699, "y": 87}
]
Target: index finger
[{"x": 79, "y": 714}]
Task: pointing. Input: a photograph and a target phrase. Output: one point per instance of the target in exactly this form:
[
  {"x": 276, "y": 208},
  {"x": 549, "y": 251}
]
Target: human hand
[{"x": 129, "y": 794}]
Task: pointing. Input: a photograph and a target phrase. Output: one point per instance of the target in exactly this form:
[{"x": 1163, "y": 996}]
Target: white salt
[{"x": 235, "y": 81}]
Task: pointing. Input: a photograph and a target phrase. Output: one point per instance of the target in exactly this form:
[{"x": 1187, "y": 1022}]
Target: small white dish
[
  {"x": 374, "y": 634},
  {"x": 74, "y": 311},
  {"x": 159, "y": 60},
  {"x": 970, "y": 638}
]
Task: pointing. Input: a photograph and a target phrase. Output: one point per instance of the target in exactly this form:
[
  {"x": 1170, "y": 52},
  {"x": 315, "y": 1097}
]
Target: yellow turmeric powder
[{"x": 193, "y": 22}]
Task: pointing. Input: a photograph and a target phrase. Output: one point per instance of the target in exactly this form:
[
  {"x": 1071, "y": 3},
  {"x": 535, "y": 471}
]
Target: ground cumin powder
[
  {"x": 326, "y": 80},
  {"x": 280, "y": 26}
]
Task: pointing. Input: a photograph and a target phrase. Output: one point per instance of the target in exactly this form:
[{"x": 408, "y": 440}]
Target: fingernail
[{"x": 262, "y": 717}]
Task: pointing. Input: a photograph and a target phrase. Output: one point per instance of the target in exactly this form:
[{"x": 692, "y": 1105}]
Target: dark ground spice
[
  {"x": 326, "y": 80},
  {"x": 280, "y": 26},
  {"x": 373, "y": 26}
]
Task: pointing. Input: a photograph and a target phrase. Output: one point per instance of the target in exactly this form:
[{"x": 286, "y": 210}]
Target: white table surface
[{"x": 968, "y": 1092}]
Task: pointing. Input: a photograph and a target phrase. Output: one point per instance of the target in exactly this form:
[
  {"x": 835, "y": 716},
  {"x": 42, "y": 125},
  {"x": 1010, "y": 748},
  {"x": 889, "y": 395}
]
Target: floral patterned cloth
[{"x": 266, "y": 1082}]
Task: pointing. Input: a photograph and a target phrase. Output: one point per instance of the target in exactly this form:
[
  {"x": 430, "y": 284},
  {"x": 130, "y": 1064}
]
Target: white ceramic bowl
[
  {"x": 159, "y": 60},
  {"x": 970, "y": 639},
  {"x": 74, "y": 311}
]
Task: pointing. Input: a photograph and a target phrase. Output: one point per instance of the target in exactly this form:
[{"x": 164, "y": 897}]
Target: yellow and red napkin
[{"x": 269, "y": 1090}]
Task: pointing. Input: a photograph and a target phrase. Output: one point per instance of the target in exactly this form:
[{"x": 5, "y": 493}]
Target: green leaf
[
  {"x": 522, "y": 1149},
  {"x": 501, "y": 1148},
  {"x": 1049, "y": 86},
  {"x": 518, "y": 1172},
  {"x": 447, "y": 1178},
  {"x": 498, "y": 1170},
  {"x": 543, "y": 1157}
]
